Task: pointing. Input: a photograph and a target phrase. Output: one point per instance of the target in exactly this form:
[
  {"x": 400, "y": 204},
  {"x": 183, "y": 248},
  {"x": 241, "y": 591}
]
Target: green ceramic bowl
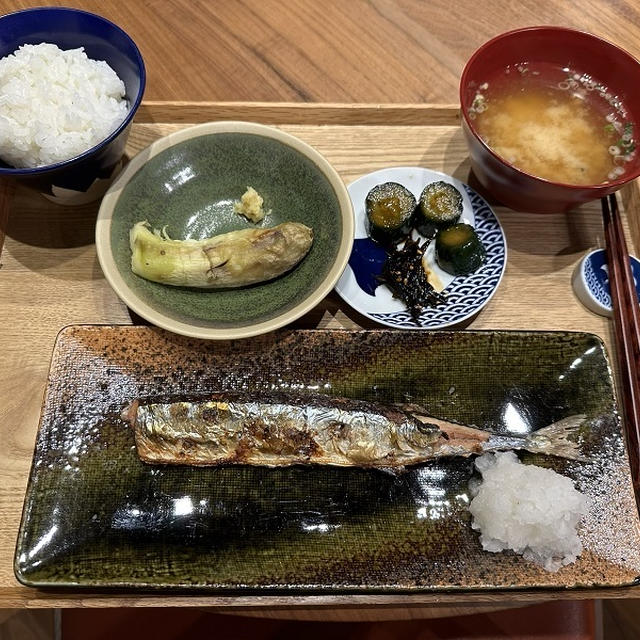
[{"x": 187, "y": 183}]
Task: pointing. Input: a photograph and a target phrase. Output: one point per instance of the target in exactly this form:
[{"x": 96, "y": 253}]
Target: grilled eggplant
[{"x": 234, "y": 259}]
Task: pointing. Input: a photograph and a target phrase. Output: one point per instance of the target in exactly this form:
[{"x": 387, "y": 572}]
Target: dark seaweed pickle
[
  {"x": 389, "y": 208},
  {"x": 404, "y": 274},
  {"x": 440, "y": 206},
  {"x": 459, "y": 250}
]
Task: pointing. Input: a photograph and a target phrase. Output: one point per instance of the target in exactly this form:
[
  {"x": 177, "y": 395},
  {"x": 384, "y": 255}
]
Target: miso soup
[{"x": 555, "y": 123}]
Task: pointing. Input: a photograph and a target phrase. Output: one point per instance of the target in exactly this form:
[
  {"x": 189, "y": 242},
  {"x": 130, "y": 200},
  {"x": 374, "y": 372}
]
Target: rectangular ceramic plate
[{"x": 95, "y": 516}]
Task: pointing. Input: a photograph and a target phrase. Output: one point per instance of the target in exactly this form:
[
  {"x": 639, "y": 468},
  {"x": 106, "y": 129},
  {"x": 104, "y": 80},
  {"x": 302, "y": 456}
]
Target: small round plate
[
  {"x": 591, "y": 281},
  {"x": 466, "y": 295}
]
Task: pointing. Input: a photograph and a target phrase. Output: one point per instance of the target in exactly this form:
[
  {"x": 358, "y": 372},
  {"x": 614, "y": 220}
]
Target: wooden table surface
[
  {"x": 382, "y": 51},
  {"x": 331, "y": 50}
]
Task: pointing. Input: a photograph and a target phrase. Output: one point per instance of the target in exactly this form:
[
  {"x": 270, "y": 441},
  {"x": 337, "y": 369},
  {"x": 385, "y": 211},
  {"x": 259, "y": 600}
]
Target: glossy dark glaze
[
  {"x": 96, "y": 516},
  {"x": 603, "y": 60}
]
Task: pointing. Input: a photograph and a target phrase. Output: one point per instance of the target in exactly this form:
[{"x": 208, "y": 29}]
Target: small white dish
[
  {"x": 466, "y": 295},
  {"x": 591, "y": 281}
]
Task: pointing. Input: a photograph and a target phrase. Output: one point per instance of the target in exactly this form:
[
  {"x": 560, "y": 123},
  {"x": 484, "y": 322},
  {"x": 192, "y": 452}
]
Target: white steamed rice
[
  {"x": 55, "y": 104},
  {"x": 532, "y": 510}
]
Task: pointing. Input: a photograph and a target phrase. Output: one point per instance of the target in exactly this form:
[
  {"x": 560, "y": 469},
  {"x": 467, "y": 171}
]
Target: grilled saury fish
[{"x": 282, "y": 429}]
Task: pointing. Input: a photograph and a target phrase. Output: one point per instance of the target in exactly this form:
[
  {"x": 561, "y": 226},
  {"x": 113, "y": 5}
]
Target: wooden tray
[{"x": 50, "y": 278}]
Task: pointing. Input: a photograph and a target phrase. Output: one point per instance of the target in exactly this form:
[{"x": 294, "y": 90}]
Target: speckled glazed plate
[
  {"x": 466, "y": 295},
  {"x": 187, "y": 183},
  {"x": 95, "y": 516}
]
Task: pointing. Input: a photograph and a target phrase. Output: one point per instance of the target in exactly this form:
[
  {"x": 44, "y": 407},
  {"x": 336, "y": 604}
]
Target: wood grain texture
[
  {"x": 376, "y": 52},
  {"x": 20, "y": 624},
  {"x": 332, "y": 51},
  {"x": 50, "y": 278},
  {"x": 560, "y": 620},
  {"x": 317, "y": 113},
  {"x": 621, "y": 619}
]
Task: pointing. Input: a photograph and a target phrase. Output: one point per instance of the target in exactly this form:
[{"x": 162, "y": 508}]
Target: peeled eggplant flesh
[{"x": 234, "y": 259}]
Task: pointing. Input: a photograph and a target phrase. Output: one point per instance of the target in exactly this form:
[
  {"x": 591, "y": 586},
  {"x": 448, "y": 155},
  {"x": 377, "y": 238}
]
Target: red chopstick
[{"x": 626, "y": 323}]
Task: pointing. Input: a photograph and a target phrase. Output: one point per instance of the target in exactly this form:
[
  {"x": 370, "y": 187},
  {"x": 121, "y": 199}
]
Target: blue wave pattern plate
[
  {"x": 466, "y": 295},
  {"x": 596, "y": 275}
]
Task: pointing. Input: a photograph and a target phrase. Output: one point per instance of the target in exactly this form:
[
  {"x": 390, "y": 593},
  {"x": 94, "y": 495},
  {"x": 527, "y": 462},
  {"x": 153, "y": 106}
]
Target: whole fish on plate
[{"x": 281, "y": 429}]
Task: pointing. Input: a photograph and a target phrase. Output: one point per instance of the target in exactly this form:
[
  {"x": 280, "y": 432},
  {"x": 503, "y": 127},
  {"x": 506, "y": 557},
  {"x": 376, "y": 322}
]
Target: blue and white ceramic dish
[
  {"x": 466, "y": 295},
  {"x": 591, "y": 281}
]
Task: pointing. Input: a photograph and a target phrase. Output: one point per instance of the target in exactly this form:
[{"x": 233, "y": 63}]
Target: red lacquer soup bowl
[{"x": 616, "y": 74}]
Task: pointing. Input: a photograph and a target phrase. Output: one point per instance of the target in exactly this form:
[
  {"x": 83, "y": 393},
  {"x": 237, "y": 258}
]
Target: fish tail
[{"x": 554, "y": 439}]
